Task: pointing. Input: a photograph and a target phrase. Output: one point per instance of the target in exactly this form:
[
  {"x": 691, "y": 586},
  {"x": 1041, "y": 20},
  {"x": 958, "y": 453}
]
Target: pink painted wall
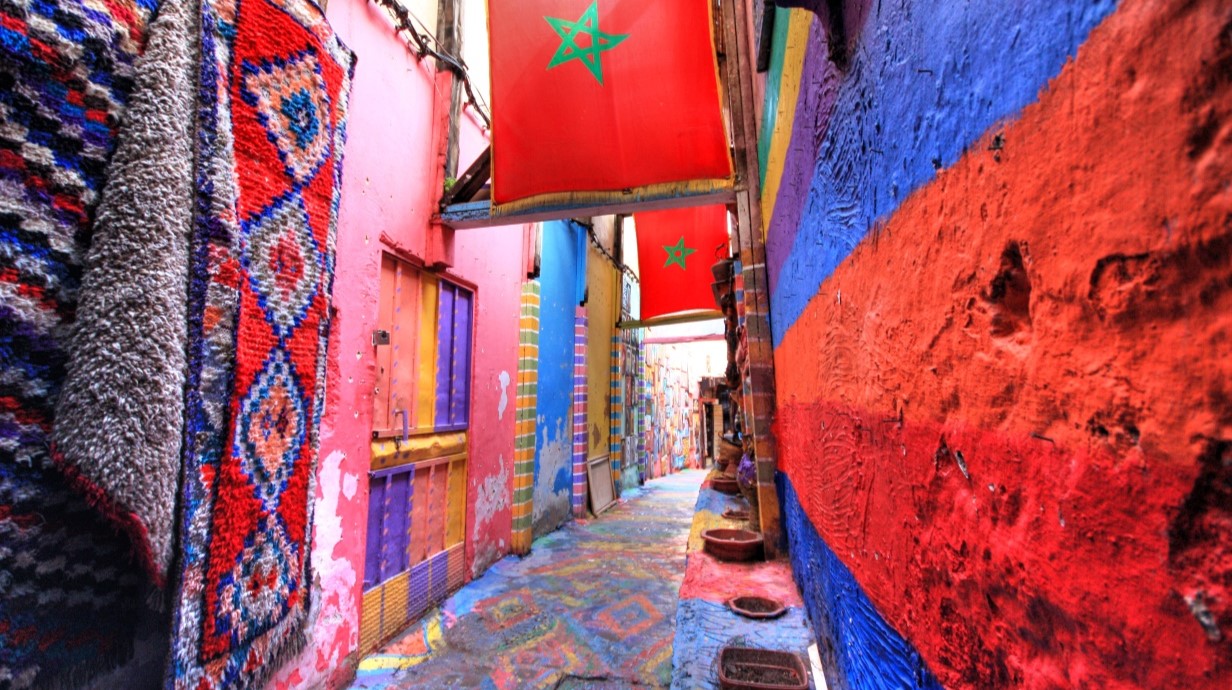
[
  {"x": 492, "y": 259},
  {"x": 391, "y": 184}
]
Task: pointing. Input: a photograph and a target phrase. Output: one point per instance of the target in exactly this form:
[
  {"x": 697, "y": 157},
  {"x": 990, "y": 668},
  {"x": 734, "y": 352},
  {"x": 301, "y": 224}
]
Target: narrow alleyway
[{"x": 594, "y": 605}]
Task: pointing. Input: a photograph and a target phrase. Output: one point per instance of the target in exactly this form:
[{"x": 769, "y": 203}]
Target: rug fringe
[
  {"x": 85, "y": 675},
  {"x": 291, "y": 647},
  {"x": 636, "y": 194}
]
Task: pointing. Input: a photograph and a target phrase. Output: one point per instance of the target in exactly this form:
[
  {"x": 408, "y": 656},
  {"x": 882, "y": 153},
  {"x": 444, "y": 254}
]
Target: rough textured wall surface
[
  {"x": 559, "y": 273},
  {"x": 390, "y": 188},
  {"x": 1002, "y": 307}
]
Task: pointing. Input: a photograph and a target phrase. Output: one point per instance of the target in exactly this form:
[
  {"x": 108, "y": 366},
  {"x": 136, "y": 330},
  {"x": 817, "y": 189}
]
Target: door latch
[
  {"x": 406, "y": 425},
  {"x": 380, "y": 337}
]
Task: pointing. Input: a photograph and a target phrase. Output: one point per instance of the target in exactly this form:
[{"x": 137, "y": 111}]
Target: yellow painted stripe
[
  {"x": 435, "y": 634},
  {"x": 428, "y": 333},
  {"x": 800, "y": 22},
  {"x": 391, "y": 663},
  {"x": 392, "y": 453}
]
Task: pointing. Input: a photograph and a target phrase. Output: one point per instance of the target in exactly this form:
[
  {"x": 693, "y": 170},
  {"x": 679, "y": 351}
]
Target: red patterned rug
[{"x": 274, "y": 88}]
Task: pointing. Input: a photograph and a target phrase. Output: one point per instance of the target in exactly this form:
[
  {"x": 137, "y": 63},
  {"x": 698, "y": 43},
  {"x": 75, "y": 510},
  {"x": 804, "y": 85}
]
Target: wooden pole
[{"x": 739, "y": 65}]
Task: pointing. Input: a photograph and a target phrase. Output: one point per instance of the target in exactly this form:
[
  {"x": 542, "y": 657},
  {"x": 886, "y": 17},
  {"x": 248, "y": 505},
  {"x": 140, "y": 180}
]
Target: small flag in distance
[{"x": 675, "y": 250}]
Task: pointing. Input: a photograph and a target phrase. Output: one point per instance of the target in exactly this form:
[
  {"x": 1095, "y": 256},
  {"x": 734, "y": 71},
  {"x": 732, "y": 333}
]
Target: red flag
[
  {"x": 675, "y": 250},
  {"x": 602, "y": 96}
]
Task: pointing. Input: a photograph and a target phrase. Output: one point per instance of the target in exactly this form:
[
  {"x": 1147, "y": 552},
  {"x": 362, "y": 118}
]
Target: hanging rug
[
  {"x": 274, "y": 87},
  {"x": 70, "y": 593}
]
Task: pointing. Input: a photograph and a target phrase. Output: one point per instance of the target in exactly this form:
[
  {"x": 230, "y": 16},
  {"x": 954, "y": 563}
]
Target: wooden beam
[
  {"x": 478, "y": 214},
  {"x": 449, "y": 42},
  {"x": 471, "y": 181},
  {"x": 758, "y": 398}
]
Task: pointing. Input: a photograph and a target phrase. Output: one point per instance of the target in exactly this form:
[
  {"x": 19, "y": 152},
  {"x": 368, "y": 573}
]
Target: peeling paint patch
[
  {"x": 335, "y": 615},
  {"x": 504, "y": 400},
  {"x": 350, "y": 484},
  {"x": 493, "y": 497},
  {"x": 552, "y": 479}
]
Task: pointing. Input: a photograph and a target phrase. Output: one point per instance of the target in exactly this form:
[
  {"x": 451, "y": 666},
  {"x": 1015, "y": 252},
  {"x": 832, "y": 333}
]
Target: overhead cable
[{"x": 404, "y": 25}]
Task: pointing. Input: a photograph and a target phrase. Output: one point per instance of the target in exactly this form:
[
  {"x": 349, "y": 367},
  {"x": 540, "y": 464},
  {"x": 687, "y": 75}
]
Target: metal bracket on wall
[{"x": 833, "y": 19}]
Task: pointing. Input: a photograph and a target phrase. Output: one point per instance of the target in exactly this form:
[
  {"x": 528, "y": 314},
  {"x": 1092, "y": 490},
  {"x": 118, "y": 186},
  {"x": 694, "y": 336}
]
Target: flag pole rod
[{"x": 670, "y": 320}]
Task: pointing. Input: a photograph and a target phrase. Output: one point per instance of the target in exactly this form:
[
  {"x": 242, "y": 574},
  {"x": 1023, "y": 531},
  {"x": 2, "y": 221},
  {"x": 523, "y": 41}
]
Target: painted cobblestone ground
[{"x": 592, "y": 606}]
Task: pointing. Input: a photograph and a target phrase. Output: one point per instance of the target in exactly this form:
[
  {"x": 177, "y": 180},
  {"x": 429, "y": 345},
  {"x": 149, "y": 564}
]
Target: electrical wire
[
  {"x": 594, "y": 239},
  {"x": 404, "y": 24}
]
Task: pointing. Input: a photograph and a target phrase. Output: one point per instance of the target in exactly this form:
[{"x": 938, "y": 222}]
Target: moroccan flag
[
  {"x": 675, "y": 250},
  {"x": 603, "y": 96}
]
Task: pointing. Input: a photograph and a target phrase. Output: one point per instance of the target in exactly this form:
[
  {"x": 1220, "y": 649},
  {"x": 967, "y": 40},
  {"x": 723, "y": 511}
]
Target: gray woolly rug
[{"x": 120, "y": 417}]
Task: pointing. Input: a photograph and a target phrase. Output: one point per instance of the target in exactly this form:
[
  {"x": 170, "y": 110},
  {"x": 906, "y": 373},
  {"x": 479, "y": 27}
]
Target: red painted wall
[
  {"x": 1008, "y": 410},
  {"x": 391, "y": 185}
]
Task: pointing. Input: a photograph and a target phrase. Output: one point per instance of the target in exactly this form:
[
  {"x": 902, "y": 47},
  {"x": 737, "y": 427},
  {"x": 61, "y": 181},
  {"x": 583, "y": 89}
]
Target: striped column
[
  {"x": 758, "y": 382},
  {"x": 643, "y": 411},
  {"x": 617, "y": 414},
  {"x": 579, "y": 413},
  {"x": 738, "y": 285},
  {"x": 527, "y": 403}
]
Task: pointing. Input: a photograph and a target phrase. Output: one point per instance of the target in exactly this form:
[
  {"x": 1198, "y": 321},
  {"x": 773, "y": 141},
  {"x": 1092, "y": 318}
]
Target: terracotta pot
[
  {"x": 725, "y": 485},
  {"x": 757, "y": 608},
  {"x": 733, "y": 544},
  {"x": 742, "y": 668}
]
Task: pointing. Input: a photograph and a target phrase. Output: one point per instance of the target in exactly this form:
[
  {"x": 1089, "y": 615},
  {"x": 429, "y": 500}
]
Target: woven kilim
[
  {"x": 69, "y": 592},
  {"x": 275, "y": 81}
]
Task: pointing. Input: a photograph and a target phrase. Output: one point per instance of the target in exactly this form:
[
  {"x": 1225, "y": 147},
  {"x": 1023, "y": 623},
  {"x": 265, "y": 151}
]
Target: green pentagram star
[
  {"x": 569, "y": 49},
  {"x": 677, "y": 254}
]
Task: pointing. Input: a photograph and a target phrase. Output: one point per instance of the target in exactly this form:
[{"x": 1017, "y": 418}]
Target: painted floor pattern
[{"x": 592, "y": 606}]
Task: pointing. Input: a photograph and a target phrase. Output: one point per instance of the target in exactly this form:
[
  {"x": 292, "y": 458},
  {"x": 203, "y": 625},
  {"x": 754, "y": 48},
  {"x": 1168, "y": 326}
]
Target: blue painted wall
[
  {"x": 926, "y": 80},
  {"x": 859, "y": 650},
  {"x": 562, "y": 276}
]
